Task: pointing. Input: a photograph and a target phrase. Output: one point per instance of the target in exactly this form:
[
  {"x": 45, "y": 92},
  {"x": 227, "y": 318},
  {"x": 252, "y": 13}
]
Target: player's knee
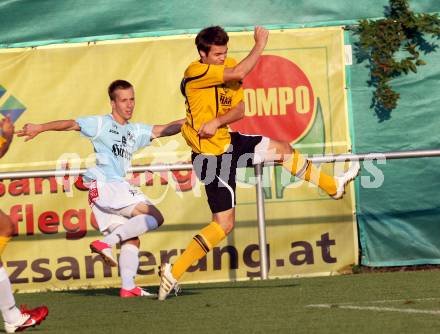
[
  {"x": 226, "y": 220},
  {"x": 227, "y": 226},
  {"x": 149, "y": 210},
  {"x": 158, "y": 216},
  {"x": 285, "y": 149},
  {"x": 159, "y": 219},
  {"x": 282, "y": 150},
  {"x": 133, "y": 241}
]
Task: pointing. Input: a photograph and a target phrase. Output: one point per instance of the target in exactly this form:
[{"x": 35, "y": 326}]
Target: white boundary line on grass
[
  {"x": 375, "y": 308},
  {"x": 350, "y": 306},
  {"x": 385, "y": 301}
]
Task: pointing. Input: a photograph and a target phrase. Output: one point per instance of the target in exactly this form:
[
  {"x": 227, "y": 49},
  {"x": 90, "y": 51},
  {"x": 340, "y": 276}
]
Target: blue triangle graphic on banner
[
  {"x": 13, "y": 108},
  {"x": 14, "y": 114}
]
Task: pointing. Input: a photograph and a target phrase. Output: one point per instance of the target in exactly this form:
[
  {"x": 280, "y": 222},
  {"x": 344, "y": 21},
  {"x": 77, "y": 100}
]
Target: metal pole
[
  {"x": 66, "y": 172},
  {"x": 261, "y": 221},
  {"x": 183, "y": 166},
  {"x": 375, "y": 156}
]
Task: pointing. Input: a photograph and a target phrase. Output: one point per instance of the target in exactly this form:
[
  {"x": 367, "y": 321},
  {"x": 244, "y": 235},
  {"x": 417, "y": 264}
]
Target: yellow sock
[
  {"x": 201, "y": 244},
  {"x": 304, "y": 169},
  {"x": 3, "y": 242}
]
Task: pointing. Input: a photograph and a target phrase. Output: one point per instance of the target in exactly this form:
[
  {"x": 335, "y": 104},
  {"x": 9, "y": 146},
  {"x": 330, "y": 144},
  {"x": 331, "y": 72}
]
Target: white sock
[
  {"x": 128, "y": 265},
  {"x": 133, "y": 228},
  {"x": 10, "y": 312}
]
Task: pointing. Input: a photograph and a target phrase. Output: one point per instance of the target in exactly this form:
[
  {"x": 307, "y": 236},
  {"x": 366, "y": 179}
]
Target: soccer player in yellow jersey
[
  {"x": 214, "y": 98},
  {"x": 16, "y": 320}
]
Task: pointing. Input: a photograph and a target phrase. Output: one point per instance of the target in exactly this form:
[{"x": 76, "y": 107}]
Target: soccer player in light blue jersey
[{"x": 122, "y": 211}]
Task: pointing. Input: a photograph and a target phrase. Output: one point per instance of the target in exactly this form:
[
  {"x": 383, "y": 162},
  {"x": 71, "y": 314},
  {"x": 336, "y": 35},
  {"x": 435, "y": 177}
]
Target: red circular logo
[{"x": 279, "y": 101}]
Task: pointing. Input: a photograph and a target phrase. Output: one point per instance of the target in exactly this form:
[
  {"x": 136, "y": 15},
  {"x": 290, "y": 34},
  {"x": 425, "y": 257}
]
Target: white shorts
[{"x": 112, "y": 203}]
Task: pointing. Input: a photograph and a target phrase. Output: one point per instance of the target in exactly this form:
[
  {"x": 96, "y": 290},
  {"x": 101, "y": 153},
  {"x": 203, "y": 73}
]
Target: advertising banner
[{"x": 296, "y": 93}]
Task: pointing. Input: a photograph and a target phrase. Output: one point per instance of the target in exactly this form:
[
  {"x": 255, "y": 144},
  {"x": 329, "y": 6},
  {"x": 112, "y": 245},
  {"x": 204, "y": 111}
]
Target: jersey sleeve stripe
[
  {"x": 183, "y": 90},
  {"x": 216, "y": 101}
]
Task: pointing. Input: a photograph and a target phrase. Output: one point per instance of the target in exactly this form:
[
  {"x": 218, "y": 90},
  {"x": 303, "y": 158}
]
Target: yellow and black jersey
[{"x": 207, "y": 97}]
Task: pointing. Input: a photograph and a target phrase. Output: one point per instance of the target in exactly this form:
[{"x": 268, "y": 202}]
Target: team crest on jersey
[
  {"x": 225, "y": 100},
  {"x": 131, "y": 138},
  {"x": 114, "y": 129}
]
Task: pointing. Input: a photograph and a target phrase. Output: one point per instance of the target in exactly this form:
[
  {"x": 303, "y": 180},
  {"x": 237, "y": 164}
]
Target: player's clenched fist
[
  {"x": 29, "y": 131},
  {"x": 261, "y": 35}
]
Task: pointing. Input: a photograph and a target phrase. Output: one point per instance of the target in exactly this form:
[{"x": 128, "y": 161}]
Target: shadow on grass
[
  {"x": 188, "y": 290},
  {"x": 114, "y": 292}
]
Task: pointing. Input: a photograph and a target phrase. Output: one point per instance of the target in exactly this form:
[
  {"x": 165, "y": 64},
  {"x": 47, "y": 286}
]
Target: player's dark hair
[
  {"x": 117, "y": 84},
  {"x": 211, "y": 36}
]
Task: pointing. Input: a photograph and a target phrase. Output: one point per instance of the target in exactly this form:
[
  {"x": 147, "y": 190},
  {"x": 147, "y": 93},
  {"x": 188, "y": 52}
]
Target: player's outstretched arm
[
  {"x": 208, "y": 129},
  {"x": 30, "y": 130},
  {"x": 7, "y": 133},
  {"x": 169, "y": 129},
  {"x": 243, "y": 68}
]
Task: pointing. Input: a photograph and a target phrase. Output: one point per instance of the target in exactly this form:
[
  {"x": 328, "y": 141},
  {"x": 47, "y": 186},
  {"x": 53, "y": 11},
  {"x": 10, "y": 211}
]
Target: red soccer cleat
[
  {"x": 29, "y": 318},
  {"x": 136, "y": 292},
  {"x": 105, "y": 250}
]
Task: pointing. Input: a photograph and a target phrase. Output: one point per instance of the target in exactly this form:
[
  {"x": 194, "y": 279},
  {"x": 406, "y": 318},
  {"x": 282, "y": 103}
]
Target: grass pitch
[{"x": 398, "y": 302}]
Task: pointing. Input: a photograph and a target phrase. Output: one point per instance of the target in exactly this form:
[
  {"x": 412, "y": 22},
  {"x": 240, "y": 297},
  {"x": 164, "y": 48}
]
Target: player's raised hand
[
  {"x": 29, "y": 131},
  {"x": 261, "y": 35},
  {"x": 7, "y": 127}
]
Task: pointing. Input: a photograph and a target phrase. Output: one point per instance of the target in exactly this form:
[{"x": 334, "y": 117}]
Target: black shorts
[{"x": 217, "y": 172}]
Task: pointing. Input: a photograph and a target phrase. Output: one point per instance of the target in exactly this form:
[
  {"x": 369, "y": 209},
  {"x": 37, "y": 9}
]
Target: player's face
[
  {"x": 216, "y": 55},
  {"x": 123, "y": 104}
]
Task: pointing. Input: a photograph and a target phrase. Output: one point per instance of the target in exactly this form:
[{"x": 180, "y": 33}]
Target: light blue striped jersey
[{"x": 114, "y": 145}]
